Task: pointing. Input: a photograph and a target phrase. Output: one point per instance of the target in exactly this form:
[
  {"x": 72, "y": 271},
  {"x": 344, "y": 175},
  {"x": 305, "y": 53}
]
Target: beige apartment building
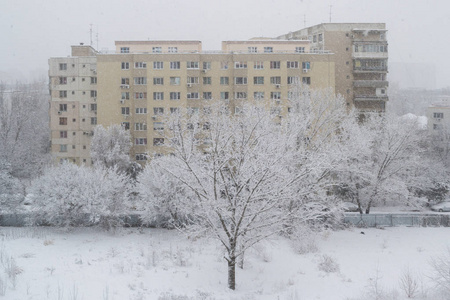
[
  {"x": 144, "y": 80},
  {"x": 360, "y": 56},
  {"x": 438, "y": 116}
]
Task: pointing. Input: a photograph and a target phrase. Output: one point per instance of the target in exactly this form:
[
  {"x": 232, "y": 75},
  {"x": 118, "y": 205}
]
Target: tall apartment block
[
  {"x": 360, "y": 56},
  {"x": 143, "y": 80}
]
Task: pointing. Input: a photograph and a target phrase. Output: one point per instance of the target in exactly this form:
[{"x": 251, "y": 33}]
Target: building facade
[
  {"x": 360, "y": 56},
  {"x": 144, "y": 80},
  {"x": 438, "y": 115}
]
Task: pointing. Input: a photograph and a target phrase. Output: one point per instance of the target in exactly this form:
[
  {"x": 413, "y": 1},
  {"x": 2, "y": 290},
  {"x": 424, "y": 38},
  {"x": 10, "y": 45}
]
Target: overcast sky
[{"x": 34, "y": 30}]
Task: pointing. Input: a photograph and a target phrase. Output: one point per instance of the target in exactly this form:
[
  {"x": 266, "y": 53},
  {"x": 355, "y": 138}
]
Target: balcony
[
  {"x": 371, "y": 83},
  {"x": 370, "y": 69},
  {"x": 370, "y": 55},
  {"x": 367, "y": 98}
]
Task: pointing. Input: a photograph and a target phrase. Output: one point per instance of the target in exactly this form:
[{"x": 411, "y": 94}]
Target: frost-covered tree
[
  {"x": 24, "y": 131},
  {"x": 11, "y": 191},
  {"x": 382, "y": 158},
  {"x": 248, "y": 174},
  {"x": 71, "y": 195},
  {"x": 110, "y": 147}
]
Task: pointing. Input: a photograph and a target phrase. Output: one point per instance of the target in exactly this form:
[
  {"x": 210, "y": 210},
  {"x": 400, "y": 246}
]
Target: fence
[{"x": 392, "y": 220}]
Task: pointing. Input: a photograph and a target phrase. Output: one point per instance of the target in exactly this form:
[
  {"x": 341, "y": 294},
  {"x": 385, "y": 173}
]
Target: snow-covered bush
[
  {"x": 11, "y": 194},
  {"x": 71, "y": 195},
  {"x": 328, "y": 264},
  {"x": 162, "y": 198},
  {"x": 441, "y": 272}
]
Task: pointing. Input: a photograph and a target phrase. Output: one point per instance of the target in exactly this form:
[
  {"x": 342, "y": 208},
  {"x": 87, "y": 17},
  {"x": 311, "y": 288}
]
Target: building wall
[{"x": 110, "y": 87}]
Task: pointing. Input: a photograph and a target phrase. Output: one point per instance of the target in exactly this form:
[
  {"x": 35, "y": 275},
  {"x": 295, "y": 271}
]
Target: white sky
[{"x": 34, "y": 30}]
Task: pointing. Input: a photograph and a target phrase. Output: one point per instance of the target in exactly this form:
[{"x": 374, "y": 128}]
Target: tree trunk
[{"x": 232, "y": 273}]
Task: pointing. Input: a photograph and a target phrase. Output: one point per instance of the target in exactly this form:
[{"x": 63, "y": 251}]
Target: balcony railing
[
  {"x": 371, "y": 83},
  {"x": 370, "y": 69},
  {"x": 370, "y": 55},
  {"x": 371, "y": 98}
]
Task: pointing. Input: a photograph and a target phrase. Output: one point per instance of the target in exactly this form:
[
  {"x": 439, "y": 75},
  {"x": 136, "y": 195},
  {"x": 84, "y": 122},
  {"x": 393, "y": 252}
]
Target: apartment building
[
  {"x": 438, "y": 115},
  {"x": 144, "y": 80},
  {"x": 73, "y": 106},
  {"x": 360, "y": 56}
]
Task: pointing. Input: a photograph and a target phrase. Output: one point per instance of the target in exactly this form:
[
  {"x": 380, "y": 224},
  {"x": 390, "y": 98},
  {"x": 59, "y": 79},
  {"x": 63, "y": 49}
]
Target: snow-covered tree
[
  {"x": 11, "y": 191},
  {"x": 249, "y": 174},
  {"x": 110, "y": 147},
  {"x": 24, "y": 131},
  {"x": 382, "y": 155},
  {"x": 71, "y": 195}
]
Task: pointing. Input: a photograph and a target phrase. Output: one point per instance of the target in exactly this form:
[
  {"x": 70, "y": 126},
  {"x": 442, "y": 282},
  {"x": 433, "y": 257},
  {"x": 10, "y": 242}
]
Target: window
[
  {"x": 158, "y": 65},
  {"x": 141, "y": 156},
  {"x": 293, "y": 80},
  {"x": 62, "y": 121},
  {"x": 299, "y": 49},
  {"x": 206, "y": 80},
  {"x": 63, "y": 107},
  {"x": 62, "y": 80},
  {"x": 158, "y": 126},
  {"x": 224, "y": 65},
  {"x": 140, "y": 80},
  {"x": 140, "y": 141},
  {"x": 306, "y": 80},
  {"x": 240, "y": 80},
  {"x": 192, "y": 64},
  {"x": 252, "y": 49},
  {"x": 63, "y": 134},
  {"x": 62, "y": 94},
  {"x": 93, "y": 94},
  {"x": 93, "y": 80},
  {"x": 157, "y": 50},
  {"x": 275, "y": 80},
  {"x": 157, "y": 111},
  {"x": 275, "y": 95},
  {"x": 275, "y": 64},
  {"x": 437, "y": 126},
  {"x": 314, "y": 38},
  {"x": 125, "y": 65},
  {"x": 140, "y": 95},
  {"x": 93, "y": 107},
  {"x": 175, "y": 96},
  {"x": 158, "y": 96},
  {"x": 62, "y": 67},
  {"x": 141, "y": 110},
  {"x": 258, "y": 65},
  {"x": 125, "y": 111},
  {"x": 240, "y": 95},
  {"x": 94, "y": 121},
  {"x": 224, "y": 95},
  {"x": 258, "y": 80},
  {"x": 158, "y": 141},
  {"x": 173, "y": 49},
  {"x": 268, "y": 49},
  {"x": 224, "y": 80},
  {"x": 240, "y": 65},
  {"x": 126, "y": 125},
  {"x": 124, "y": 49},
  {"x": 174, "y": 65},
  {"x": 306, "y": 65},
  {"x": 140, "y": 65},
  {"x": 125, "y": 81},
  {"x": 193, "y": 95},
  {"x": 62, "y": 148},
  {"x": 292, "y": 64},
  {"x": 140, "y": 126},
  {"x": 207, "y": 95},
  {"x": 158, "y": 80},
  {"x": 125, "y": 96},
  {"x": 192, "y": 80},
  {"x": 258, "y": 95},
  {"x": 175, "y": 80},
  {"x": 174, "y": 110},
  {"x": 438, "y": 115},
  {"x": 320, "y": 37},
  {"x": 206, "y": 65}
]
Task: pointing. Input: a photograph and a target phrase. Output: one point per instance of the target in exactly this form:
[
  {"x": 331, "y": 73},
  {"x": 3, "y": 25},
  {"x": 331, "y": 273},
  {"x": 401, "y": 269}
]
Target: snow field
[{"x": 86, "y": 263}]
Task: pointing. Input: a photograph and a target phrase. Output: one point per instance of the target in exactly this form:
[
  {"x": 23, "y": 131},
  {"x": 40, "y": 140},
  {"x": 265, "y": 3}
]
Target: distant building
[
  {"x": 143, "y": 80},
  {"x": 438, "y": 115}
]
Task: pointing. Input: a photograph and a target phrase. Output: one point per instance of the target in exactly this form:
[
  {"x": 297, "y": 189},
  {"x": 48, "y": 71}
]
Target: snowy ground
[{"x": 47, "y": 263}]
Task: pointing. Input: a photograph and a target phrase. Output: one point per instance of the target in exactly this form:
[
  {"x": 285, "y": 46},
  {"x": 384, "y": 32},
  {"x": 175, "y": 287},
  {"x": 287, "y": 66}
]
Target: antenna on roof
[
  {"x": 330, "y": 12},
  {"x": 96, "y": 36},
  {"x": 90, "y": 33},
  {"x": 304, "y": 21}
]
